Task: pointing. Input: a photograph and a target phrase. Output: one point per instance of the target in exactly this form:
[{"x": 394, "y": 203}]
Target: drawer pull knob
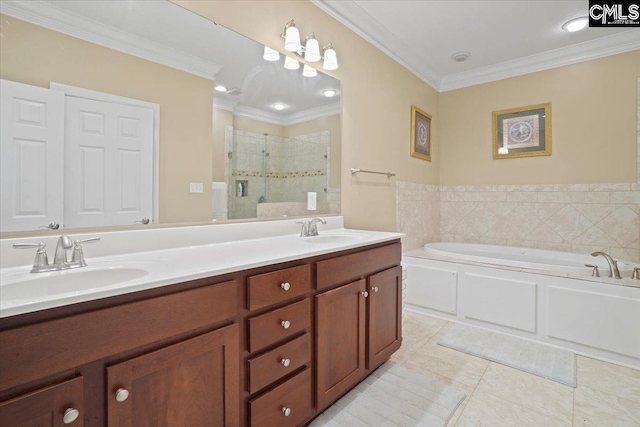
[
  {"x": 285, "y": 324},
  {"x": 285, "y": 362},
  {"x": 70, "y": 415},
  {"x": 286, "y": 411},
  {"x": 286, "y": 286},
  {"x": 365, "y": 294},
  {"x": 375, "y": 289},
  {"x": 122, "y": 394}
]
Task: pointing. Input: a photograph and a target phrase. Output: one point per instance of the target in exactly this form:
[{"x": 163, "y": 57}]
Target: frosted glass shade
[
  {"x": 290, "y": 63},
  {"x": 330, "y": 60},
  {"x": 271, "y": 54},
  {"x": 312, "y": 51},
  {"x": 292, "y": 40},
  {"x": 308, "y": 71}
]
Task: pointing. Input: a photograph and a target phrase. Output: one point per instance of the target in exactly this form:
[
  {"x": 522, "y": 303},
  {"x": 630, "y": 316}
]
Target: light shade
[
  {"x": 308, "y": 71},
  {"x": 290, "y": 63},
  {"x": 576, "y": 24},
  {"x": 330, "y": 60},
  {"x": 312, "y": 50},
  {"x": 292, "y": 39},
  {"x": 271, "y": 54}
]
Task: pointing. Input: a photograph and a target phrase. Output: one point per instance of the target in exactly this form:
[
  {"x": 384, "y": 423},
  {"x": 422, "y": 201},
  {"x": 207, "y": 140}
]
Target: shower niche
[{"x": 272, "y": 174}]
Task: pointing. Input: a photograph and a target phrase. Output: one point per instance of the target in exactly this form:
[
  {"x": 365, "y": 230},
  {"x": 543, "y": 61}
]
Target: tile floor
[{"x": 607, "y": 395}]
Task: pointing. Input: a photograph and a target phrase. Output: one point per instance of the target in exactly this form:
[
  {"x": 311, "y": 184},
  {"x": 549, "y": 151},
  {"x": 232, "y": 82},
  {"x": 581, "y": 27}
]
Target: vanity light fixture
[
  {"x": 279, "y": 106},
  {"x": 330, "y": 58},
  {"x": 308, "y": 71},
  {"x": 290, "y": 63},
  {"x": 329, "y": 93},
  {"x": 576, "y": 24},
  {"x": 291, "y": 37},
  {"x": 221, "y": 88},
  {"x": 271, "y": 54},
  {"x": 312, "y": 49}
]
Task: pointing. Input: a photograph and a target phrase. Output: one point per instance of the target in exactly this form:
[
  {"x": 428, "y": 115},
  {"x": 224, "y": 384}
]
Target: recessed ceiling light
[
  {"x": 576, "y": 24},
  {"x": 461, "y": 56},
  {"x": 221, "y": 88},
  {"x": 279, "y": 106},
  {"x": 329, "y": 93}
]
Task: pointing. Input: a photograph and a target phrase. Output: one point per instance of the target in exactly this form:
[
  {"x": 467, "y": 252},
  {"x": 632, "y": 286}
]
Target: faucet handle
[
  {"x": 304, "y": 232},
  {"x": 89, "y": 240},
  {"x": 636, "y": 273},
  {"x": 78, "y": 254},
  {"x": 41, "y": 259},
  {"x": 595, "y": 272}
]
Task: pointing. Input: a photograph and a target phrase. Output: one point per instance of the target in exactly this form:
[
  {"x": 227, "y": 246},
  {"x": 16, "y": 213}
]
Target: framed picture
[
  {"x": 522, "y": 132},
  {"x": 420, "y": 134}
]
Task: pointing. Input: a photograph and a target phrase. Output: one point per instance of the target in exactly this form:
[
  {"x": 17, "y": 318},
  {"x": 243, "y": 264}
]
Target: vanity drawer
[
  {"x": 268, "y": 410},
  {"x": 269, "y": 367},
  {"x": 345, "y": 268},
  {"x": 278, "y": 286},
  {"x": 270, "y": 327},
  {"x": 36, "y": 351}
]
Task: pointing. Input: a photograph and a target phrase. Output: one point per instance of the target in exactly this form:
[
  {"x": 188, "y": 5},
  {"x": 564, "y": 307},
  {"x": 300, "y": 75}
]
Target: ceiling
[
  {"x": 169, "y": 34},
  {"x": 505, "y": 38}
]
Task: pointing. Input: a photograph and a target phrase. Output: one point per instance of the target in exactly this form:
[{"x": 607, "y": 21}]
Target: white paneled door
[
  {"x": 31, "y": 156},
  {"x": 108, "y": 163}
]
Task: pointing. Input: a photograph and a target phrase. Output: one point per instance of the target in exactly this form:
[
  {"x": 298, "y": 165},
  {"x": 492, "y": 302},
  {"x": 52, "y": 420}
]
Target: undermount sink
[
  {"x": 336, "y": 238},
  {"x": 69, "y": 281}
]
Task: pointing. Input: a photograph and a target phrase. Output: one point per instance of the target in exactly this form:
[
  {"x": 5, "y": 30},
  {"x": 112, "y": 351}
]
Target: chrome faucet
[
  {"x": 60, "y": 260},
  {"x": 310, "y": 228},
  {"x": 613, "y": 265}
]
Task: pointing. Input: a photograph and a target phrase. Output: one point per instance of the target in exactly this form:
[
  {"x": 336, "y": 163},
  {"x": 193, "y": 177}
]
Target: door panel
[
  {"x": 31, "y": 156},
  {"x": 193, "y": 383},
  {"x": 109, "y": 158},
  {"x": 385, "y": 313},
  {"x": 45, "y": 407},
  {"x": 340, "y": 337}
]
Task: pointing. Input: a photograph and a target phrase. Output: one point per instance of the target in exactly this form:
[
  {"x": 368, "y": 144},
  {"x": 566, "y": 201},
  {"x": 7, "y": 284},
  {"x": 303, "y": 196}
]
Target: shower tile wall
[{"x": 277, "y": 170}]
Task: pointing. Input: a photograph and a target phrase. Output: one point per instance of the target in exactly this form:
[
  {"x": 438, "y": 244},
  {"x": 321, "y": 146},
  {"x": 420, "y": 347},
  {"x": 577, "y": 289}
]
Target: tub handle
[{"x": 595, "y": 272}]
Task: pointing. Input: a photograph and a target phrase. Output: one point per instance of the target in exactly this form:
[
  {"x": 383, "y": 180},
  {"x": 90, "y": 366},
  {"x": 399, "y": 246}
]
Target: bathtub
[
  {"x": 510, "y": 256},
  {"x": 540, "y": 295}
]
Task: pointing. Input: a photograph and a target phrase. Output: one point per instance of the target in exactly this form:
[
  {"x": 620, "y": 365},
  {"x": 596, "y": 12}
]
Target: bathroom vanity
[{"x": 272, "y": 345}]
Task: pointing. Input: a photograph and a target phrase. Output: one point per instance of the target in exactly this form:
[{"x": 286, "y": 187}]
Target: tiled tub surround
[
  {"x": 579, "y": 218},
  {"x": 417, "y": 214}
]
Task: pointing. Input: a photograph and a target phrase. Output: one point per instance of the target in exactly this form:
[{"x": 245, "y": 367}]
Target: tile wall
[{"x": 417, "y": 214}]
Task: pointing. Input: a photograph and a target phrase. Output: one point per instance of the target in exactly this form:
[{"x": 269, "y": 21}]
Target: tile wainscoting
[{"x": 572, "y": 218}]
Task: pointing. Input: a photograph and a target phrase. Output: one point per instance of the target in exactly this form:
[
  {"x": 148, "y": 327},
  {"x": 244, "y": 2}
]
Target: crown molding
[
  {"x": 278, "y": 119},
  {"x": 46, "y": 14},
  {"x": 357, "y": 20},
  {"x": 586, "y": 51}
]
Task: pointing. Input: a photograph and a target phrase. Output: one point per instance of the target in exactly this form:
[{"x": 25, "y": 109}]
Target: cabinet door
[
  {"x": 340, "y": 338},
  {"x": 54, "y": 406},
  {"x": 384, "y": 334},
  {"x": 192, "y": 383}
]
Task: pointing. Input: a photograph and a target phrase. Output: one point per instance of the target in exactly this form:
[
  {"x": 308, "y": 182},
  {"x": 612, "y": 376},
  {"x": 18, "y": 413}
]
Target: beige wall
[
  {"x": 377, "y": 94},
  {"x": 594, "y": 126},
  {"x": 36, "y": 56},
  {"x": 221, "y": 119}
]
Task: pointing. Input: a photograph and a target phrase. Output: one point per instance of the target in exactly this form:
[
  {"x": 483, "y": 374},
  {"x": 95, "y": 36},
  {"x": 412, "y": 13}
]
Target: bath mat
[
  {"x": 393, "y": 396},
  {"x": 535, "y": 358}
]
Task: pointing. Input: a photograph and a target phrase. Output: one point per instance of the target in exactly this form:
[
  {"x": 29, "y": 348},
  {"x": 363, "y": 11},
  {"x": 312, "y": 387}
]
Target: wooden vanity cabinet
[{"x": 384, "y": 316}]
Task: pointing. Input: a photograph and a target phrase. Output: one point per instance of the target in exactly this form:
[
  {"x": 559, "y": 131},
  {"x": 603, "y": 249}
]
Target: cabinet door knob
[
  {"x": 285, "y": 324},
  {"x": 365, "y": 294},
  {"x": 122, "y": 394},
  {"x": 375, "y": 289},
  {"x": 70, "y": 415},
  {"x": 286, "y": 411},
  {"x": 285, "y": 362},
  {"x": 286, "y": 286}
]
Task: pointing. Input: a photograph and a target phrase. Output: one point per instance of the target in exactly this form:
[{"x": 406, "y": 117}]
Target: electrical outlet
[
  {"x": 311, "y": 201},
  {"x": 196, "y": 187}
]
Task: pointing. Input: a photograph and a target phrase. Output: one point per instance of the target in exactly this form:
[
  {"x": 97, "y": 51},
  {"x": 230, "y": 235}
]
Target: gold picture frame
[
  {"x": 420, "y": 125},
  {"x": 522, "y": 132}
]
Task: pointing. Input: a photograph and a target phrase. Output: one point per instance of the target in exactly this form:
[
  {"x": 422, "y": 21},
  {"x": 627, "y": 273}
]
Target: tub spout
[{"x": 613, "y": 265}]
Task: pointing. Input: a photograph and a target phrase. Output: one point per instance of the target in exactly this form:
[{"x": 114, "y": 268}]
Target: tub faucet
[{"x": 613, "y": 265}]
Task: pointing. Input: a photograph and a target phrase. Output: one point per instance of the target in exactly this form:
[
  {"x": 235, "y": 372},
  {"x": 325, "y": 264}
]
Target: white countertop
[{"x": 165, "y": 267}]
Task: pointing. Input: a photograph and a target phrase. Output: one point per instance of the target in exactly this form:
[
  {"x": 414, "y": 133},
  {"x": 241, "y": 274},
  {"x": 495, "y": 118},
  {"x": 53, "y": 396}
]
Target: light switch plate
[
  {"x": 196, "y": 187},
  {"x": 311, "y": 201}
]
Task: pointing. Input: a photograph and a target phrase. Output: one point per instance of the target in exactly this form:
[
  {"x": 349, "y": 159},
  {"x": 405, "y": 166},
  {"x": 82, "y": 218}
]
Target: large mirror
[{"x": 140, "y": 112}]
